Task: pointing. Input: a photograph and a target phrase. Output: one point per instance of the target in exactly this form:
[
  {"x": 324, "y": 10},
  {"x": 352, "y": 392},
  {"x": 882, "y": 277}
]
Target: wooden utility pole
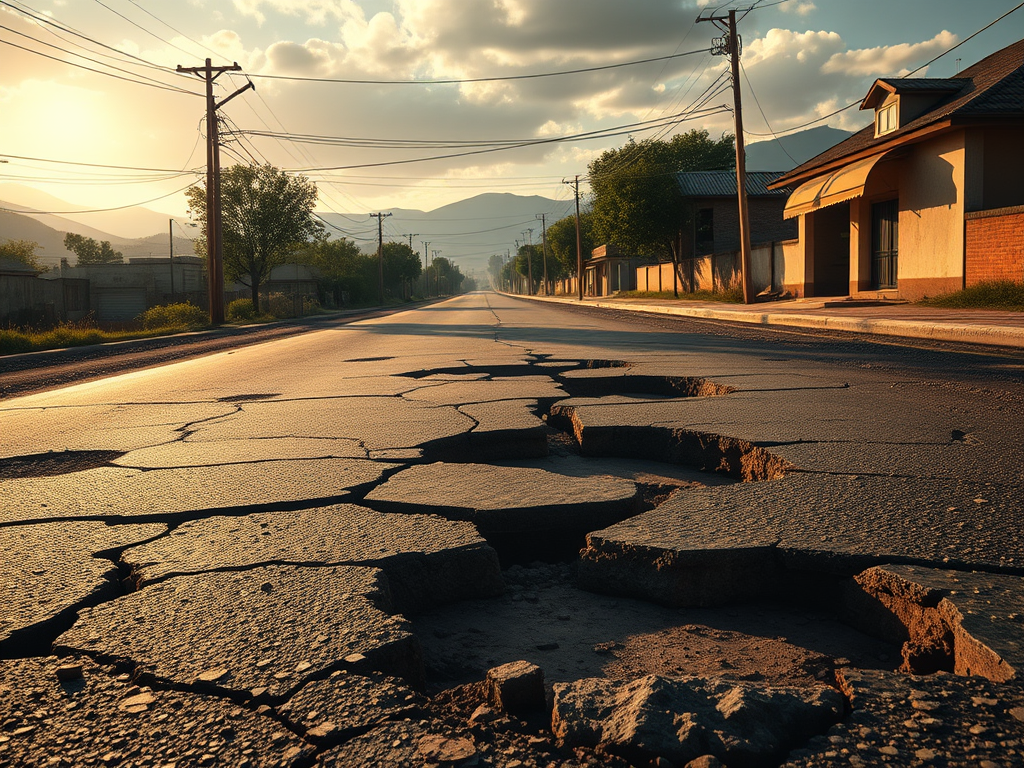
[
  {"x": 730, "y": 46},
  {"x": 426, "y": 274},
  {"x": 579, "y": 243},
  {"x": 214, "y": 225},
  {"x": 380, "y": 252},
  {"x": 544, "y": 247}
]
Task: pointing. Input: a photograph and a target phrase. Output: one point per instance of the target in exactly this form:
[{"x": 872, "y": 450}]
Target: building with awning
[{"x": 927, "y": 199}]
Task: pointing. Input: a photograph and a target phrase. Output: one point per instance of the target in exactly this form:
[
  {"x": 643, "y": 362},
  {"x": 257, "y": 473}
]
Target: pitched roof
[
  {"x": 994, "y": 87},
  {"x": 723, "y": 183}
]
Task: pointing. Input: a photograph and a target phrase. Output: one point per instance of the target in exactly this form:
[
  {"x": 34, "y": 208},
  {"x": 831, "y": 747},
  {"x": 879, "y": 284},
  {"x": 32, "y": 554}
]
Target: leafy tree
[
  {"x": 494, "y": 267},
  {"x": 22, "y": 251},
  {"x": 342, "y": 267},
  {"x": 562, "y": 244},
  {"x": 267, "y": 216},
  {"x": 90, "y": 251},
  {"x": 527, "y": 257},
  {"x": 447, "y": 275},
  {"x": 400, "y": 263},
  {"x": 636, "y": 203}
]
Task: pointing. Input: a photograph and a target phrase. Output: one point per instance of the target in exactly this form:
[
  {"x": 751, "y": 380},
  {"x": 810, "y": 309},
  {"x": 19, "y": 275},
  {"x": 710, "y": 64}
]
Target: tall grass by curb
[
  {"x": 728, "y": 296},
  {"x": 13, "y": 341},
  {"x": 1001, "y": 294}
]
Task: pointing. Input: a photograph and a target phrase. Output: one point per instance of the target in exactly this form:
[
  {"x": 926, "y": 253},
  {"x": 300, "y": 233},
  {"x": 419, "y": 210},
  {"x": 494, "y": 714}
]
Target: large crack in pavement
[{"x": 291, "y": 610}]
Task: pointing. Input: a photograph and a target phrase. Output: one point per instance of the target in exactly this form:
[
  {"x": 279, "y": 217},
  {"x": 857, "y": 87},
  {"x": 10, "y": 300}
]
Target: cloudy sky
[{"x": 803, "y": 59}]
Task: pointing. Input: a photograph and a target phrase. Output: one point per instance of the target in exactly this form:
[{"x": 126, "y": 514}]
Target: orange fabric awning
[{"x": 838, "y": 187}]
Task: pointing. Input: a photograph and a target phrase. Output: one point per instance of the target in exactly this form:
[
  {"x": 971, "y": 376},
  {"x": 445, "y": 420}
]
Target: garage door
[{"x": 120, "y": 304}]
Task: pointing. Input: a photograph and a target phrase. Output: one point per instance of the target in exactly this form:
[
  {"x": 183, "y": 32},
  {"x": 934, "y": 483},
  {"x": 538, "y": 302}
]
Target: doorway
[{"x": 885, "y": 227}]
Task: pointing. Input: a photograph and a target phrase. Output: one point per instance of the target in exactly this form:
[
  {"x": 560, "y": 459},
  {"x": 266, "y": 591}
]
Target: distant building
[
  {"x": 608, "y": 271},
  {"x": 928, "y": 199},
  {"x": 26, "y": 299},
  {"x": 122, "y": 292}
]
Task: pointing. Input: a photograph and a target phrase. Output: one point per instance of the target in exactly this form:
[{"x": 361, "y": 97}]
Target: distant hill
[
  {"x": 468, "y": 231},
  {"x": 50, "y": 237},
  {"x": 802, "y": 146},
  {"x": 124, "y": 225}
]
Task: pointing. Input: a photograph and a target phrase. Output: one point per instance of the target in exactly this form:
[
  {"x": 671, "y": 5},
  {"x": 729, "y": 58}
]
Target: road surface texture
[{"x": 492, "y": 532}]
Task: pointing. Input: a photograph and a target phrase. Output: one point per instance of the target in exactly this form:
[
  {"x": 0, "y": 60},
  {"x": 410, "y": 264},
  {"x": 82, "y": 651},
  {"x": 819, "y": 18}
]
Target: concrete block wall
[{"x": 995, "y": 245}]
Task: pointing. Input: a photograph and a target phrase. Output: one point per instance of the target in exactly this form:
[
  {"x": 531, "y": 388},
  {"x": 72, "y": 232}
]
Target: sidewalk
[{"x": 968, "y": 326}]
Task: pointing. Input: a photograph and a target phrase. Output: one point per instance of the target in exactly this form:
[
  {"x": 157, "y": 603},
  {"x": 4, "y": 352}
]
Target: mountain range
[{"x": 468, "y": 231}]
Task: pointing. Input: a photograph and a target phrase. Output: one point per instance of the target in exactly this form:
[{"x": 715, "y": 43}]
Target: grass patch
[
  {"x": 729, "y": 296},
  {"x": 1001, "y": 294},
  {"x": 14, "y": 341}
]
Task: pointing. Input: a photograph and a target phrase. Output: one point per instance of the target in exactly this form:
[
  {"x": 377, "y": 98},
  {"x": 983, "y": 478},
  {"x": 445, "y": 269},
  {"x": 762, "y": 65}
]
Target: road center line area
[{"x": 492, "y": 532}]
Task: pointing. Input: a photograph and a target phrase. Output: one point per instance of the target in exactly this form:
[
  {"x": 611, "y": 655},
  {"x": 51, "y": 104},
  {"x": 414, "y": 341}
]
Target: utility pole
[
  {"x": 437, "y": 277},
  {"x": 426, "y": 274},
  {"x": 170, "y": 232},
  {"x": 579, "y": 243},
  {"x": 730, "y": 46},
  {"x": 380, "y": 252},
  {"x": 528, "y": 233},
  {"x": 214, "y": 241},
  {"x": 411, "y": 236},
  {"x": 544, "y": 247}
]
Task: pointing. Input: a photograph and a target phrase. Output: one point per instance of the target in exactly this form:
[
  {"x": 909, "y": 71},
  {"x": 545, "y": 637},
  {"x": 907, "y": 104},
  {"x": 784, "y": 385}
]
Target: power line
[
  {"x": 92, "y": 165},
  {"x": 764, "y": 116},
  {"x": 97, "y": 210},
  {"x": 500, "y": 78}
]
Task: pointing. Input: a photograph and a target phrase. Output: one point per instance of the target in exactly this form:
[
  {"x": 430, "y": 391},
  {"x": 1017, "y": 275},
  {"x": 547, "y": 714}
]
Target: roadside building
[
  {"x": 27, "y": 300},
  {"x": 608, "y": 271},
  {"x": 928, "y": 199}
]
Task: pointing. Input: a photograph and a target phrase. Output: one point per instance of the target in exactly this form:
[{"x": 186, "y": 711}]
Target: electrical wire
[
  {"x": 465, "y": 80},
  {"x": 97, "y": 210},
  {"x": 765, "y": 117}
]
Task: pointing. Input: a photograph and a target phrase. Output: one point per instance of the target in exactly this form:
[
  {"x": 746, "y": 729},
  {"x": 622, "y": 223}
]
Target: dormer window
[{"x": 886, "y": 119}]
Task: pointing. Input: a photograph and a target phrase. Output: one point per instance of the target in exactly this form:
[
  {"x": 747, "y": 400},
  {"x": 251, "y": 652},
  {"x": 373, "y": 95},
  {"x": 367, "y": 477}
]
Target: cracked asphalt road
[{"x": 241, "y": 527}]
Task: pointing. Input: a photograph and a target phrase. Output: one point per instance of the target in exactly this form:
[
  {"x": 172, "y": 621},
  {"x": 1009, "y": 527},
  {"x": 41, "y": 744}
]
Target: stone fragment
[
  {"x": 516, "y": 687},
  {"x": 211, "y": 629},
  {"x": 428, "y": 560},
  {"x": 93, "y": 720},
  {"x": 957, "y": 621},
  {"x": 508, "y": 499},
  {"x": 683, "y": 718},
  {"x": 49, "y": 570}
]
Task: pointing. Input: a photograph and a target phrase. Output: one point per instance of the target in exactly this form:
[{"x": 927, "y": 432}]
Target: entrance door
[{"x": 885, "y": 227}]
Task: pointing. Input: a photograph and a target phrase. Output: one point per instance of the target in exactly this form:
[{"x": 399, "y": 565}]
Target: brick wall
[{"x": 995, "y": 245}]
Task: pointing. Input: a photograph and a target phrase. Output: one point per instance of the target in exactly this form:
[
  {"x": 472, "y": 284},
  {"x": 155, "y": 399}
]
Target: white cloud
[
  {"x": 891, "y": 60},
  {"x": 800, "y": 8}
]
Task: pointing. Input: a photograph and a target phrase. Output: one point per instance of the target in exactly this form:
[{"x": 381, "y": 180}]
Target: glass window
[{"x": 885, "y": 120}]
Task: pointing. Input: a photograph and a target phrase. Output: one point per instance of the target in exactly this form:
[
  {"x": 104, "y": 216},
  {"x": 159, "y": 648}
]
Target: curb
[{"x": 992, "y": 335}]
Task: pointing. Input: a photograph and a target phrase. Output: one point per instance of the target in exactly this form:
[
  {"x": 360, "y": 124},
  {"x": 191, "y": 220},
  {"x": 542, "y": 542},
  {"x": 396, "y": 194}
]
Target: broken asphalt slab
[
  {"x": 708, "y": 546},
  {"x": 962, "y": 622},
  {"x": 266, "y": 631},
  {"x": 196, "y": 454},
  {"x": 50, "y": 570},
  {"x": 507, "y": 499},
  {"x": 114, "y": 493},
  {"x": 70, "y": 712},
  {"x": 428, "y": 560}
]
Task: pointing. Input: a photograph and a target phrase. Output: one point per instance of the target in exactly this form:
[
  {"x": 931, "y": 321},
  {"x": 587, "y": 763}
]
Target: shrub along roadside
[
  {"x": 1001, "y": 294},
  {"x": 729, "y": 295}
]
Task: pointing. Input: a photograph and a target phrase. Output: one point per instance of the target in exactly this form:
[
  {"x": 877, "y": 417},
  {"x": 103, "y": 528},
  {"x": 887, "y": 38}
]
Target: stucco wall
[{"x": 931, "y": 236}]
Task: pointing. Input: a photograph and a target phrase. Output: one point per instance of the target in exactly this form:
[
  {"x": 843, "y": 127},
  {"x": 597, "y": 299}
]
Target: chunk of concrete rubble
[
  {"x": 428, "y": 560},
  {"x": 939, "y": 719},
  {"x": 401, "y": 744},
  {"x": 507, "y": 499},
  {"x": 266, "y": 631},
  {"x": 969, "y": 623},
  {"x": 50, "y": 570},
  {"x": 116, "y": 493},
  {"x": 516, "y": 687},
  {"x": 506, "y": 430},
  {"x": 101, "y": 717},
  {"x": 709, "y": 546},
  {"x": 346, "y": 703},
  {"x": 681, "y": 719}
]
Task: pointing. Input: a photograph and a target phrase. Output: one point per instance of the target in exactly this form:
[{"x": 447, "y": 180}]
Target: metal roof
[{"x": 723, "y": 183}]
